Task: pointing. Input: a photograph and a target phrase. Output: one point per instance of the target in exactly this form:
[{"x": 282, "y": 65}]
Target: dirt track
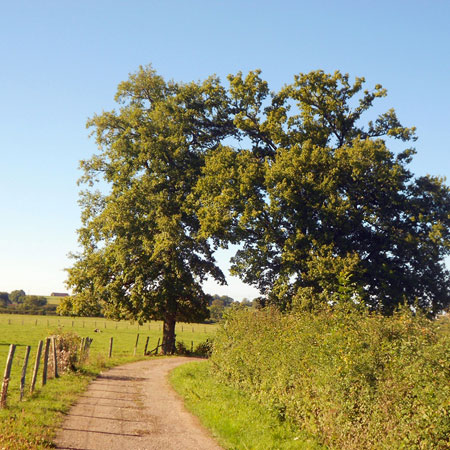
[{"x": 133, "y": 407}]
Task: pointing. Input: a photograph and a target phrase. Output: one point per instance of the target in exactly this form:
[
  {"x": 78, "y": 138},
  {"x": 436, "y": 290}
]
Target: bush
[
  {"x": 356, "y": 380},
  {"x": 68, "y": 351},
  {"x": 30, "y": 308},
  {"x": 34, "y": 301},
  {"x": 203, "y": 349},
  {"x": 4, "y": 299},
  {"x": 181, "y": 349}
]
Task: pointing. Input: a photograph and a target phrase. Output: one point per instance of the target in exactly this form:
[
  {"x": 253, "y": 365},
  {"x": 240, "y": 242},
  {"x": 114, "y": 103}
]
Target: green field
[
  {"x": 51, "y": 300},
  {"x": 24, "y": 330},
  {"x": 30, "y": 424}
]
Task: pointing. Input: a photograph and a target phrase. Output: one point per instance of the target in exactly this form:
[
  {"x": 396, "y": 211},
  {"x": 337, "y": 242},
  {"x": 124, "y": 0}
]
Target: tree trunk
[{"x": 168, "y": 343}]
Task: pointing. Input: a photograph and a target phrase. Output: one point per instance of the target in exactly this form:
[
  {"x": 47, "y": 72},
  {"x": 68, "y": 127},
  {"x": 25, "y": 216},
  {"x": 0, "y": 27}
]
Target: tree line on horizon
[
  {"x": 18, "y": 302},
  {"x": 321, "y": 209}
]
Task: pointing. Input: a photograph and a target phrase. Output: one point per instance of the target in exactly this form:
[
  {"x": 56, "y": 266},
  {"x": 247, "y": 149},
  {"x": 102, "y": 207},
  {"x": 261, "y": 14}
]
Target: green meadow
[
  {"x": 52, "y": 300},
  {"x": 24, "y": 330}
]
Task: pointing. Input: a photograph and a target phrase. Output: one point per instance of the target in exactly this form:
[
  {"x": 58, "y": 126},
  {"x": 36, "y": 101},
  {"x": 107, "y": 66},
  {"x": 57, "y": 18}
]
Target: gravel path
[{"x": 133, "y": 407}]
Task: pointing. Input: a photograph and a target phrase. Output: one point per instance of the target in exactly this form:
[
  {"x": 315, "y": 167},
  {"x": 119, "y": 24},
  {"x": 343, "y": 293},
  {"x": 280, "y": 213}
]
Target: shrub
[
  {"x": 356, "y": 380},
  {"x": 181, "y": 349},
  {"x": 67, "y": 350},
  {"x": 204, "y": 348},
  {"x": 34, "y": 301}
]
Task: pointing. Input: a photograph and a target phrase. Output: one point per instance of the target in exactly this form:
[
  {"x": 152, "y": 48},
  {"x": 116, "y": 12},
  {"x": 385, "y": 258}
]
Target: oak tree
[
  {"x": 141, "y": 258},
  {"x": 323, "y": 209}
]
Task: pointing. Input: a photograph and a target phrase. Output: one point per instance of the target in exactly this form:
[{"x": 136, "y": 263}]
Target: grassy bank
[{"x": 234, "y": 418}]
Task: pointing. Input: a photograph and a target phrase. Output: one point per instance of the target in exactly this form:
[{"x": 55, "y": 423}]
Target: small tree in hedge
[
  {"x": 4, "y": 299},
  {"x": 34, "y": 301},
  {"x": 17, "y": 296}
]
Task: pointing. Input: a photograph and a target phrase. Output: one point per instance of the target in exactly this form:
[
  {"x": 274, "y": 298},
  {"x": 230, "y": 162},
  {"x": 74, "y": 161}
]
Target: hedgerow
[{"x": 354, "y": 379}]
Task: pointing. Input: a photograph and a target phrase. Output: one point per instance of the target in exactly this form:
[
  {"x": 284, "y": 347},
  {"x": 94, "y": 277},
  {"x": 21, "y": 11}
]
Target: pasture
[
  {"x": 52, "y": 300},
  {"x": 31, "y": 423},
  {"x": 24, "y": 330}
]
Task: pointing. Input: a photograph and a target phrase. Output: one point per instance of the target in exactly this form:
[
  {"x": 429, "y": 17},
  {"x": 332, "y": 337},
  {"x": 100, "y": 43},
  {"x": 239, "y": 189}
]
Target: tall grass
[{"x": 355, "y": 380}]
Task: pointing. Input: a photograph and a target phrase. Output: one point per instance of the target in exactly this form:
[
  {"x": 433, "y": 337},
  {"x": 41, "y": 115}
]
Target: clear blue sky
[{"x": 61, "y": 63}]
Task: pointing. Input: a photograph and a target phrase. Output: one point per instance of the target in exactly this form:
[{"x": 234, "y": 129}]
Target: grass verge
[{"x": 235, "y": 420}]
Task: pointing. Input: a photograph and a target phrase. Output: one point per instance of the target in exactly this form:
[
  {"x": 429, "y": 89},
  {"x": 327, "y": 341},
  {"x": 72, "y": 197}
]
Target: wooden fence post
[
  {"x": 45, "y": 362},
  {"x": 12, "y": 349},
  {"x": 36, "y": 366},
  {"x": 87, "y": 345},
  {"x": 110, "y": 347},
  {"x": 146, "y": 345},
  {"x": 192, "y": 346},
  {"x": 81, "y": 348},
  {"x": 55, "y": 358},
  {"x": 157, "y": 346},
  {"x": 135, "y": 345},
  {"x": 24, "y": 371}
]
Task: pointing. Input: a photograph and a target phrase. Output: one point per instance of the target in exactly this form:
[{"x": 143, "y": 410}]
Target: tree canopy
[
  {"x": 4, "y": 299},
  {"x": 34, "y": 301},
  {"x": 17, "y": 296},
  {"x": 322, "y": 209}
]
